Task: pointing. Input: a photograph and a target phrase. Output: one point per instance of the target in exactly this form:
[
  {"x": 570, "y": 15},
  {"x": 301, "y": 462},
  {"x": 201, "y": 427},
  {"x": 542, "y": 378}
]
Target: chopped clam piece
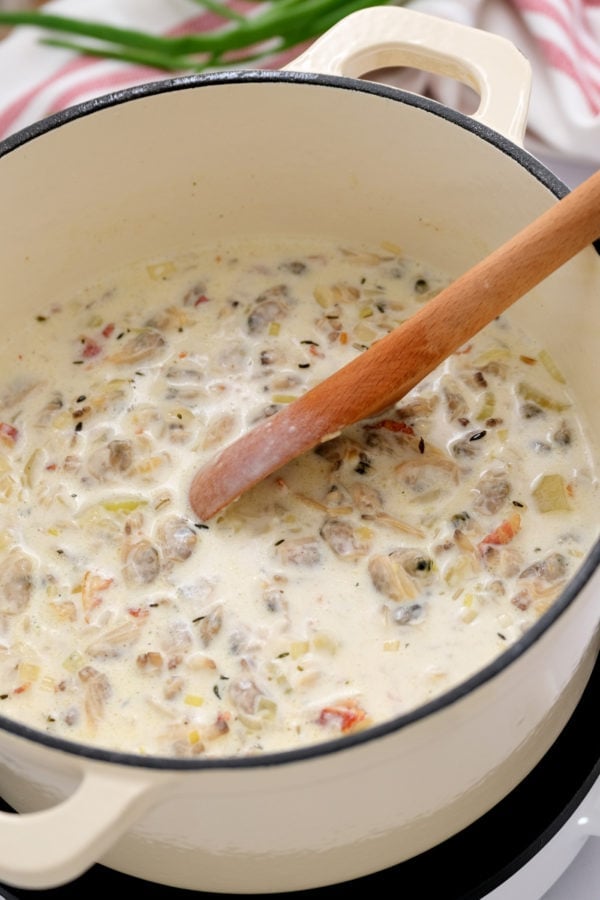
[
  {"x": 218, "y": 430},
  {"x": 177, "y": 539},
  {"x": 504, "y": 562},
  {"x": 275, "y": 601},
  {"x": 115, "y": 641},
  {"x": 200, "y": 662},
  {"x": 330, "y": 295},
  {"x": 142, "y": 564},
  {"x": 177, "y": 639},
  {"x": 469, "y": 445},
  {"x": 114, "y": 458},
  {"x": 120, "y": 455},
  {"x": 493, "y": 490},
  {"x": 334, "y": 451},
  {"x": 415, "y": 563},
  {"x": 270, "y": 306},
  {"x": 300, "y": 552},
  {"x": 390, "y": 578},
  {"x": 344, "y": 539},
  {"x": 143, "y": 346},
  {"x": 337, "y": 496},
  {"x": 419, "y": 408},
  {"x": 210, "y": 626},
  {"x": 53, "y": 405},
  {"x": 367, "y": 499},
  {"x": 97, "y": 690},
  {"x": 16, "y": 391},
  {"x": 150, "y": 662},
  {"x": 456, "y": 404},
  {"x": 246, "y": 696},
  {"x": 563, "y": 435},
  {"x": 169, "y": 318},
  {"x": 16, "y": 583},
  {"x": 552, "y": 568},
  {"x": 428, "y": 477},
  {"x": 187, "y": 373},
  {"x": 173, "y": 687},
  {"x": 409, "y": 614}
]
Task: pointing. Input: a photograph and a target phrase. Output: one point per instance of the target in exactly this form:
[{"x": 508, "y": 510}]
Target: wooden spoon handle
[{"x": 393, "y": 365}]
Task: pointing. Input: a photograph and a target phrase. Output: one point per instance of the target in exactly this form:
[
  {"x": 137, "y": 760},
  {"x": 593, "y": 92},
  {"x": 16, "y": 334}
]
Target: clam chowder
[{"x": 357, "y": 583}]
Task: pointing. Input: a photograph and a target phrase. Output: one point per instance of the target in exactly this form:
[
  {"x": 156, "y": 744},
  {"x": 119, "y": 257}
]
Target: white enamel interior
[{"x": 147, "y": 177}]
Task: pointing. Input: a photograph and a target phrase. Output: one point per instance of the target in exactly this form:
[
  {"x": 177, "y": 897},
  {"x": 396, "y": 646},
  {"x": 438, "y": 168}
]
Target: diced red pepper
[
  {"x": 223, "y": 718},
  {"x": 91, "y": 587},
  {"x": 522, "y": 600},
  {"x": 91, "y": 348},
  {"x": 505, "y": 531},
  {"x": 8, "y": 433},
  {"x": 344, "y": 717},
  {"x": 138, "y": 612},
  {"x": 108, "y": 330}
]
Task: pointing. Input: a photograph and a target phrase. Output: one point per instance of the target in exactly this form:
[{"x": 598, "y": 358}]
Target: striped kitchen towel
[{"x": 561, "y": 38}]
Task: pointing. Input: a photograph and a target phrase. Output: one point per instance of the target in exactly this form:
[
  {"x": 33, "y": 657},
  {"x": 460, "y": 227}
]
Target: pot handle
[
  {"x": 385, "y": 36},
  {"x": 52, "y": 847}
]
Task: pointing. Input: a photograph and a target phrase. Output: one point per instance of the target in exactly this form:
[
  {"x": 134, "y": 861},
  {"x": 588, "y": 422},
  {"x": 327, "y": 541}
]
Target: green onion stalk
[{"x": 237, "y": 41}]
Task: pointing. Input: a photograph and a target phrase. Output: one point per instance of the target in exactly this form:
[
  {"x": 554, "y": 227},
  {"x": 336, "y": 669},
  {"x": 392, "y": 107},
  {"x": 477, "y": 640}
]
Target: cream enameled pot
[{"x": 136, "y": 173}]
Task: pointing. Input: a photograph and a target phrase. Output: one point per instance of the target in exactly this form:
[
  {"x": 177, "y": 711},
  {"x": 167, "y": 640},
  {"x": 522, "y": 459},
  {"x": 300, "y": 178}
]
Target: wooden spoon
[{"x": 393, "y": 365}]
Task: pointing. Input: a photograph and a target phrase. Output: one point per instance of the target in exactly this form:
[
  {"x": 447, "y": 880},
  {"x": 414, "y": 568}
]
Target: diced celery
[
  {"x": 487, "y": 407},
  {"x": 298, "y": 649},
  {"x": 551, "y": 367},
  {"x": 73, "y": 662},
  {"x": 533, "y": 395},
  {"x": 122, "y": 504}
]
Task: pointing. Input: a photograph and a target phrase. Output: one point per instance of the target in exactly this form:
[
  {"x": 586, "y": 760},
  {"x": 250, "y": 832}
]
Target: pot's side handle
[
  {"x": 388, "y": 36},
  {"x": 50, "y": 848}
]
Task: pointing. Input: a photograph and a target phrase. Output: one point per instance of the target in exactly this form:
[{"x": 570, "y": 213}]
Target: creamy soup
[{"x": 358, "y": 582}]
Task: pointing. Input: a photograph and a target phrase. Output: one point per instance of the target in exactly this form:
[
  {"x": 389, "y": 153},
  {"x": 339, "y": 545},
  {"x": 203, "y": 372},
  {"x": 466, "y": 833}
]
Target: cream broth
[{"x": 360, "y": 581}]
